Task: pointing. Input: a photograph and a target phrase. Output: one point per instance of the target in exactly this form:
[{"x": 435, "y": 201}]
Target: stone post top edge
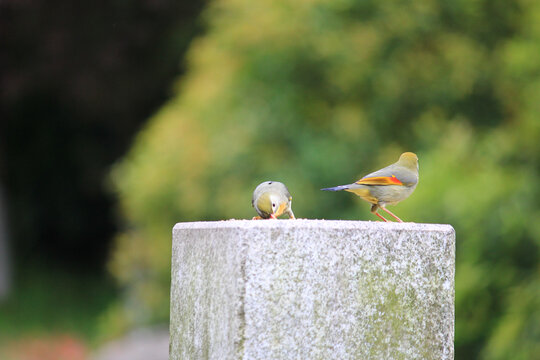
[{"x": 312, "y": 223}]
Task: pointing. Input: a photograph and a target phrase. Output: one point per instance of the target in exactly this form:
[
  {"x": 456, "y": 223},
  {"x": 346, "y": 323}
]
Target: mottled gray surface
[{"x": 312, "y": 289}]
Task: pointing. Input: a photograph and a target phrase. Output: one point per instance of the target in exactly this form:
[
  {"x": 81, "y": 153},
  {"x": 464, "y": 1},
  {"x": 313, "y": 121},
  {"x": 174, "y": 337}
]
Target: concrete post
[{"x": 312, "y": 289}]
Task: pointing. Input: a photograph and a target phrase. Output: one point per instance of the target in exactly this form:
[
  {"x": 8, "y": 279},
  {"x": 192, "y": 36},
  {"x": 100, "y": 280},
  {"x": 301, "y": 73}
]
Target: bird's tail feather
[{"x": 336, "y": 188}]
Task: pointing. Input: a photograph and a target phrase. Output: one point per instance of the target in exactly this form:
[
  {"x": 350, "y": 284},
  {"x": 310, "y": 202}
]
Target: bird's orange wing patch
[{"x": 380, "y": 180}]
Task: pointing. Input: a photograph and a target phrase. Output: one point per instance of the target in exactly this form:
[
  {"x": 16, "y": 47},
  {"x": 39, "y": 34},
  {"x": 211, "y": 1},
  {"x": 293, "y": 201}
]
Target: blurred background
[{"x": 121, "y": 118}]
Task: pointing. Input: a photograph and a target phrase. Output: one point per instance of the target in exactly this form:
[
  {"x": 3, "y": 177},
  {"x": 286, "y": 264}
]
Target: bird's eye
[{"x": 273, "y": 205}]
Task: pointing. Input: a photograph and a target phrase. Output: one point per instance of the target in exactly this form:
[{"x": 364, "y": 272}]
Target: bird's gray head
[
  {"x": 409, "y": 160},
  {"x": 269, "y": 203}
]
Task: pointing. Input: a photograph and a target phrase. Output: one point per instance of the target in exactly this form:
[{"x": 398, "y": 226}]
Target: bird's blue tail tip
[{"x": 335, "y": 188}]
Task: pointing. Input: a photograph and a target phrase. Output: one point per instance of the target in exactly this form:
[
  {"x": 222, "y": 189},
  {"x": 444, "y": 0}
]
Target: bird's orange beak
[{"x": 280, "y": 209}]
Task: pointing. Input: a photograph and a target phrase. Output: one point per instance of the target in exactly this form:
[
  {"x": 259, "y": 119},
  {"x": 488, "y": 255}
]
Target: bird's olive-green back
[{"x": 405, "y": 169}]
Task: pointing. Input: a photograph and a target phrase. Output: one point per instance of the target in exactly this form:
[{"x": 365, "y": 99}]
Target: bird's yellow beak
[{"x": 280, "y": 209}]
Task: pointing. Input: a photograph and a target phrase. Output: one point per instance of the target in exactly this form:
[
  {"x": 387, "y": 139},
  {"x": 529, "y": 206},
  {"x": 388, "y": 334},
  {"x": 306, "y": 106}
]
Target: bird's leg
[
  {"x": 256, "y": 218},
  {"x": 374, "y": 208},
  {"x": 382, "y": 217},
  {"x": 291, "y": 214},
  {"x": 394, "y": 216}
]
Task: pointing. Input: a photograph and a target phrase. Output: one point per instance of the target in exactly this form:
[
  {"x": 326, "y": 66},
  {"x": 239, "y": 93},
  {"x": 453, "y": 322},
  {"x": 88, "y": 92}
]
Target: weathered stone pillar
[{"x": 312, "y": 289}]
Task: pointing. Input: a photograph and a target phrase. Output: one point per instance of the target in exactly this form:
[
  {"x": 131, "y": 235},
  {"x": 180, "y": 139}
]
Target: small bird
[
  {"x": 271, "y": 199},
  {"x": 387, "y": 186}
]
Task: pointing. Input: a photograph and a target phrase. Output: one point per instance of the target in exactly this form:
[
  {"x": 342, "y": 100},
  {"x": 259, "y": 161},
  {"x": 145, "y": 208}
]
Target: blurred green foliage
[
  {"x": 42, "y": 303},
  {"x": 316, "y": 93}
]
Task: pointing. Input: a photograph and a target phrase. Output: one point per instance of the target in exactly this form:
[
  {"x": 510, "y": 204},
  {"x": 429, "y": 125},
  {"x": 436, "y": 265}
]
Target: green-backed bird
[
  {"x": 387, "y": 186},
  {"x": 271, "y": 199}
]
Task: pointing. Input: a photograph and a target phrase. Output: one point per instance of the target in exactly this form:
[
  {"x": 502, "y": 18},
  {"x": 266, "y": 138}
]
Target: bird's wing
[
  {"x": 407, "y": 177},
  {"x": 379, "y": 180},
  {"x": 390, "y": 175}
]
